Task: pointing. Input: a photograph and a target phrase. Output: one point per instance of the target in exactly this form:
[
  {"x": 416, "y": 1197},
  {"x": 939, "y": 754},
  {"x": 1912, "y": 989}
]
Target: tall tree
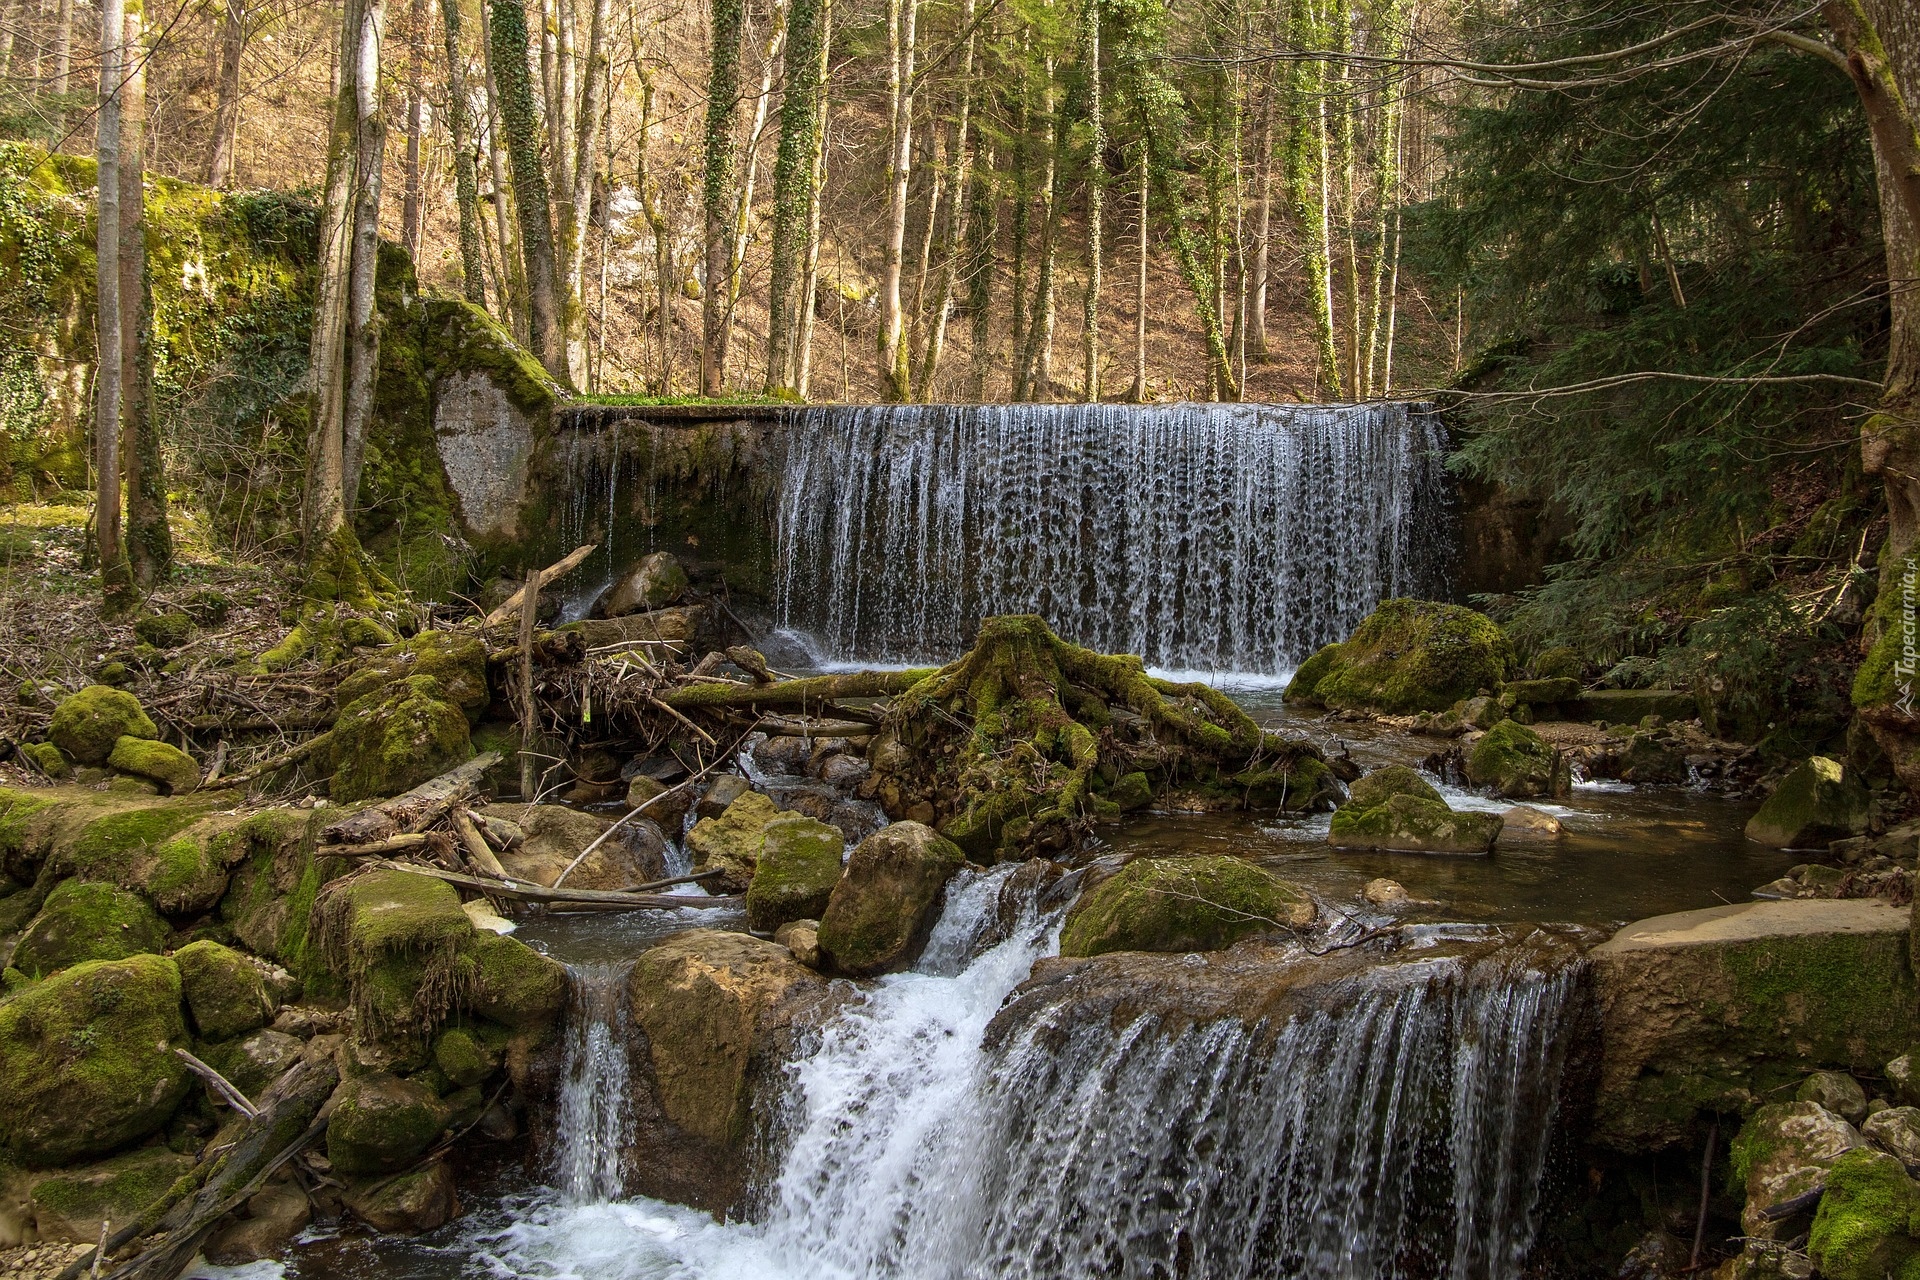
[
  {"x": 115, "y": 577},
  {"x": 466, "y": 185},
  {"x": 1308, "y": 174},
  {"x": 519, "y": 121},
  {"x": 226, "y": 114},
  {"x": 809, "y": 34},
  {"x": 718, "y": 188},
  {"x": 895, "y": 381},
  {"x": 954, "y": 230},
  {"x": 1096, "y": 185},
  {"x": 149, "y": 542},
  {"x": 594, "y": 93},
  {"x": 412, "y": 195}
]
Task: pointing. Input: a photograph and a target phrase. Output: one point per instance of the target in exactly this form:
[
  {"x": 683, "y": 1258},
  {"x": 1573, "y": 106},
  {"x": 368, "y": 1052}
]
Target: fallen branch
[
  {"x": 414, "y": 810},
  {"x": 539, "y": 893},
  {"x": 377, "y": 849},
  {"x": 812, "y": 691},
  {"x": 221, "y": 1085},
  {"x": 651, "y": 885},
  {"x": 565, "y": 565},
  {"x": 274, "y": 765}
]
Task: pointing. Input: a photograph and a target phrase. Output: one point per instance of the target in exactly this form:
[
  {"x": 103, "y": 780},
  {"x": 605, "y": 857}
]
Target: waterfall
[
  {"x": 592, "y": 1116},
  {"x": 1395, "y": 1122},
  {"x": 1205, "y": 537}
]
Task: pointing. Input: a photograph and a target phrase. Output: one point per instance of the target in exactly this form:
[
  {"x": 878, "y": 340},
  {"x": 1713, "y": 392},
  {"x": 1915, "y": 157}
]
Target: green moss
[
  {"x": 1414, "y": 824},
  {"x": 164, "y": 630},
  {"x": 87, "y": 1061},
  {"x": 396, "y": 738},
  {"x": 397, "y": 939},
  {"x": 457, "y": 659},
  {"x": 1131, "y": 791},
  {"x": 48, "y": 759},
  {"x": 1516, "y": 762},
  {"x": 1383, "y": 784},
  {"x": 513, "y": 984},
  {"x": 224, "y": 990},
  {"x": 167, "y": 852},
  {"x": 1182, "y": 904},
  {"x": 1880, "y": 681},
  {"x": 87, "y": 725},
  {"x": 732, "y": 842},
  {"x": 162, "y": 762},
  {"x": 1861, "y": 1230},
  {"x": 115, "y": 1190},
  {"x": 84, "y": 921},
  {"x": 463, "y": 1057},
  {"x": 799, "y": 866},
  {"x": 381, "y": 1124},
  {"x": 1408, "y": 656}
]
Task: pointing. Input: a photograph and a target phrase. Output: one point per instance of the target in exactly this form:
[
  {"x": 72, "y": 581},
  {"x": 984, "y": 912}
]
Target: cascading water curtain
[{"x": 1205, "y": 537}]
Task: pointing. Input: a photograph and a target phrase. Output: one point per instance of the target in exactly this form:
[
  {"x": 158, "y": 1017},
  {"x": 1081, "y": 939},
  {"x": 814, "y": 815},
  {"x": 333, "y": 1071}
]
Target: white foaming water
[
  {"x": 1223, "y": 538},
  {"x": 1395, "y": 1126},
  {"x": 593, "y": 1116}
]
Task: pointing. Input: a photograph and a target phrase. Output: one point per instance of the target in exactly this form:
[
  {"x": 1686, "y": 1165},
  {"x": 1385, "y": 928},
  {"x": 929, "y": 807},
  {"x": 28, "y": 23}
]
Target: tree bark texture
[{"x": 531, "y": 199}]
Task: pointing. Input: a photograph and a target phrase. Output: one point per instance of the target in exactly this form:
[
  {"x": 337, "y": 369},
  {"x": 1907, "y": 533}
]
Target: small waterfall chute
[{"x": 592, "y": 1120}]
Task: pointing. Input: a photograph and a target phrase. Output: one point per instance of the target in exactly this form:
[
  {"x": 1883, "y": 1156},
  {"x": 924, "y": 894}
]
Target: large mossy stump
[{"x": 1022, "y": 744}]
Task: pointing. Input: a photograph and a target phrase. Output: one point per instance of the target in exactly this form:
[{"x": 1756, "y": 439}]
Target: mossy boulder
[
  {"x": 1559, "y": 663},
  {"x": 886, "y": 901},
  {"x": 656, "y": 582},
  {"x": 164, "y": 630},
  {"x": 1650, "y": 758},
  {"x": 731, "y": 843},
  {"x": 1392, "y": 780},
  {"x": 87, "y": 1061},
  {"x": 457, "y": 659},
  {"x": 1408, "y": 656},
  {"x": 1782, "y": 1157},
  {"x": 175, "y": 770},
  {"x": 1818, "y": 802},
  {"x": 1863, "y": 1228},
  {"x": 70, "y": 1205},
  {"x": 511, "y": 983},
  {"x": 398, "y": 939},
  {"x": 1544, "y": 692},
  {"x": 85, "y": 920},
  {"x": 1414, "y": 824},
  {"x": 464, "y": 1057},
  {"x": 87, "y": 725},
  {"x": 226, "y": 992},
  {"x": 382, "y": 1123},
  {"x": 175, "y": 854},
  {"x": 1182, "y": 904},
  {"x": 1513, "y": 761},
  {"x": 409, "y": 1204},
  {"x": 396, "y": 738},
  {"x": 48, "y": 759},
  {"x": 800, "y": 862}
]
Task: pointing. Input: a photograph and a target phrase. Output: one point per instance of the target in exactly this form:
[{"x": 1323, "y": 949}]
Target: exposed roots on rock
[{"x": 1020, "y": 745}]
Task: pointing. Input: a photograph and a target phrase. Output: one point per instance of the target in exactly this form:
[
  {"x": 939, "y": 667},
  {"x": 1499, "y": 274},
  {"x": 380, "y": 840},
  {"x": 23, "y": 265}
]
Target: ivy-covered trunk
[
  {"x": 808, "y": 34},
  {"x": 466, "y": 186},
  {"x": 717, "y": 189},
  {"x": 531, "y": 199}
]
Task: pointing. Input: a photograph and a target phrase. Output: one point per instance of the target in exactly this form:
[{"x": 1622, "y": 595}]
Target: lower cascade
[
  {"x": 1204, "y": 537},
  {"x": 1395, "y": 1122}
]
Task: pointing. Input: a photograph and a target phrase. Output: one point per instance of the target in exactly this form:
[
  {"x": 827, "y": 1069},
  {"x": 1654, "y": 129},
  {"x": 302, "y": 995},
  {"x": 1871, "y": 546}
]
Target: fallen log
[
  {"x": 526, "y": 892},
  {"x": 376, "y": 849},
  {"x": 275, "y": 764},
  {"x": 559, "y": 568},
  {"x": 809, "y": 691},
  {"x": 414, "y": 810}
]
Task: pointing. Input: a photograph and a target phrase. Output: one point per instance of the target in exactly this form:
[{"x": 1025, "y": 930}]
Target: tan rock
[
  {"x": 556, "y": 835},
  {"x": 1524, "y": 822}
]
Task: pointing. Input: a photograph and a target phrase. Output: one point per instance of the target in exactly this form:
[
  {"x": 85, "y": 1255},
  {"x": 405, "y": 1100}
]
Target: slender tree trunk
[
  {"x": 666, "y": 279},
  {"x": 810, "y": 281},
  {"x": 795, "y": 163},
  {"x": 1386, "y": 201},
  {"x": 363, "y": 328},
  {"x": 513, "y": 283},
  {"x": 1263, "y": 229},
  {"x": 530, "y": 197},
  {"x": 934, "y": 166},
  {"x": 226, "y": 114},
  {"x": 411, "y": 197},
  {"x": 723, "y": 96},
  {"x": 325, "y": 502},
  {"x": 63, "y": 49},
  {"x": 1307, "y": 175},
  {"x": 1139, "y": 392},
  {"x": 982, "y": 231},
  {"x": 954, "y": 233},
  {"x": 593, "y": 108},
  {"x": 148, "y": 540},
  {"x": 901, "y": 15},
  {"x": 465, "y": 181},
  {"x": 750, "y": 178},
  {"x": 1033, "y": 372},
  {"x": 1096, "y": 183},
  {"x": 114, "y": 575}
]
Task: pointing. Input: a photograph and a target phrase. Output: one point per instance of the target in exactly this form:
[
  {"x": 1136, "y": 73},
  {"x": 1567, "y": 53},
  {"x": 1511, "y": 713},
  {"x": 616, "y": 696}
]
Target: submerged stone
[
  {"x": 1182, "y": 904},
  {"x": 887, "y": 900},
  {"x": 1815, "y": 804},
  {"x": 1408, "y": 656}
]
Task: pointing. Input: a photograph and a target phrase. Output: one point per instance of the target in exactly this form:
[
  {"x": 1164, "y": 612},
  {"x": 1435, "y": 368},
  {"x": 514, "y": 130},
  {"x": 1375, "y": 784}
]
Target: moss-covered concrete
[
  {"x": 1408, "y": 656},
  {"x": 798, "y": 868},
  {"x": 1182, "y": 904},
  {"x": 85, "y": 920},
  {"x": 87, "y": 1062}
]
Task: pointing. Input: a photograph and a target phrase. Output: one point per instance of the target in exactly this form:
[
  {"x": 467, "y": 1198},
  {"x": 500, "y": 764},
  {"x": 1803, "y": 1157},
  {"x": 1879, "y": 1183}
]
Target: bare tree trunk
[
  {"x": 1263, "y": 231},
  {"x": 410, "y": 200},
  {"x": 63, "y": 49},
  {"x": 901, "y": 15},
  {"x": 756, "y": 134},
  {"x": 114, "y": 576},
  {"x": 1033, "y": 366},
  {"x": 796, "y": 170},
  {"x": 810, "y": 279},
  {"x": 593, "y": 108},
  {"x": 530, "y": 197},
  {"x": 1096, "y": 183},
  {"x": 1139, "y": 393},
  {"x": 664, "y": 277},
  {"x": 148, "y": 540},
  {"x": 958, "y": 207},
  {"x": 465, "y": 181},
  {"x": 226, "y": 115},
  {"x": 512, "y": 288},
  {"x": 982, "y": 231},
  {"x": 363, "y": 331},
  {"x": 723, "y": 97}
]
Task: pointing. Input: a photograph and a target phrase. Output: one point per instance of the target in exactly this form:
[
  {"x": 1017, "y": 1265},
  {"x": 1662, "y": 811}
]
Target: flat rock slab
[{"x": 1721, "y": 1009}]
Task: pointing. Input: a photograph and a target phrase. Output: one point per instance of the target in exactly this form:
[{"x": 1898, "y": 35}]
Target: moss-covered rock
[
  {"x": 464, "y": 1057},
  {"x": 87, "y": 725},
  {"x": 422, "y": 1200},
  {"x": 398, "y": 939},
  {"x": 87, "y": 1061},
  {"x": 1862, "y": 1229},
  {"x": 1815, "y": 804},
  {"x": 1545, "y": 692},
  {"x": 1781, "y": 1158},
  {"x": 731, "y": 843},
  {"x": 164, "y": 630},
  {"x": 656, "y": 582},
  {"x": 1384, "y": 783},
  {"x": 886, "y": 901},
  {"x": 382, "y": 1123},
  {"x": 226, "y": 992},
  {"x": 799, "y": 866},
  {"x": 85, "y": 920},
  {"x": 1408, "y": 656},
  {"x": 49, "y": 759},
  {"x": 70, "y": 1205},
  {"x": 175, "y": 770},
  {"x": 511, "y": 983},
  {"x": 1182, "y": 904},
  {"x": 253, "y": 1061},
  {"x": 457, "y": 659},
  {"x": 1131, "y": 791},
  {"x": 396, "y": 738},
  {"x": 1560, "y": 663},
  {"x": 1514, "y": 761},
  {"x": 1414, "y": 824},
  {"x": 1650, "y": 758}
]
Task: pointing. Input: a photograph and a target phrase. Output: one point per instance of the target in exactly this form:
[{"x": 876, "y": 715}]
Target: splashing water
[
  {"x": 1232, "y": 538},
  {"x": 592, "y": 1118},
  {"x": 1396, "y": 1124}
]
